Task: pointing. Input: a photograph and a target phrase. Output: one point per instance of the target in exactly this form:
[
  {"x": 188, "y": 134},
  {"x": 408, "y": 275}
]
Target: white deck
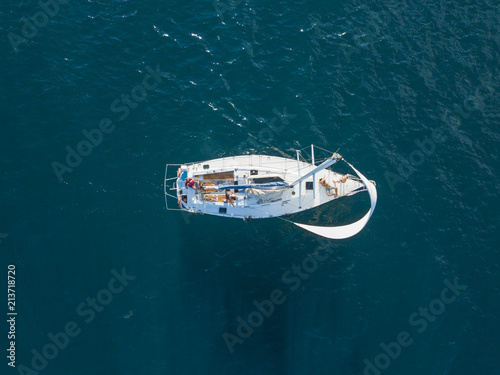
[{"x": 293, "y": 200}]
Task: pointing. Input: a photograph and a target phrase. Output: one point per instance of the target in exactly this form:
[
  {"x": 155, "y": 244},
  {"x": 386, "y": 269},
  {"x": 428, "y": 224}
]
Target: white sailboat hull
[{"x": 245, "y": 169}]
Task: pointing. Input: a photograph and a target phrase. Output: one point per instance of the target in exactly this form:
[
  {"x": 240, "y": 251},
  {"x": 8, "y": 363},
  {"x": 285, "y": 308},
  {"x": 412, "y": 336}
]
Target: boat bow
[{"x": 346, "y": 231}]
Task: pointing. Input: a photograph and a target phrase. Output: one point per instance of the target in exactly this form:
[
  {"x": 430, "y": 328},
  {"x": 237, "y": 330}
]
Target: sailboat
[{"x": 261, "y": 186}]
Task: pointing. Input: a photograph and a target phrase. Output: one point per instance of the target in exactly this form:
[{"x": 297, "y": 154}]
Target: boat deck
[{"x": 246, "y": 169}]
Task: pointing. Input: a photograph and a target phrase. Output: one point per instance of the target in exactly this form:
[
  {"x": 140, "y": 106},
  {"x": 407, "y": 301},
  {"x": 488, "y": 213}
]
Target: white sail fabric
[
  {"x": 346, "y": 231},
  {"x": 263, "y": 196}
]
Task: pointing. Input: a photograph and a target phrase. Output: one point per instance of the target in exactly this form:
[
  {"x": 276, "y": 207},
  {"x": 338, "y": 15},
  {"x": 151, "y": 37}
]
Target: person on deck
[
  {"x": 182, "y": 172},
  {"x": 342, "y": 179},
  {"x": 194, "y": 183},
  {"x": 328, "y": 188},
  {"x": 230, "y": 198}
]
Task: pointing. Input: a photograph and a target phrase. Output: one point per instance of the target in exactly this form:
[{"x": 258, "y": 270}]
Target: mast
[
  {"x": 300, "y": 185},
  {"x": 330, "y": 161},
  {"x": 314, "y": 177}
]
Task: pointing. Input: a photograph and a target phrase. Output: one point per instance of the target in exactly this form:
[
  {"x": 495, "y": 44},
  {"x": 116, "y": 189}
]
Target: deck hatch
[
  {"x": 265, "y": 180},
  {"x": 219, "y": 176}
]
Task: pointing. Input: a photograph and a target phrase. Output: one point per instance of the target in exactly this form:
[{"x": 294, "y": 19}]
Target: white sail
[{"x": 346, "y": 231}]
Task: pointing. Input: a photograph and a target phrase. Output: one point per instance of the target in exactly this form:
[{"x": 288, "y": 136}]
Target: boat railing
[{"x": 167, "y": 188}]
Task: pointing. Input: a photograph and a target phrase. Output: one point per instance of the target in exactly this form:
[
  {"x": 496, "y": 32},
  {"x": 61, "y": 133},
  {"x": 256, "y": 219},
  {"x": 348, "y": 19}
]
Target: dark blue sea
[{"x": 97, "y": 96}]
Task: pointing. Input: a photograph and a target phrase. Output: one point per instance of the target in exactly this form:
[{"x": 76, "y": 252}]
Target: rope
[
  {"x": 288, "y": 221},
  {"x": 323, "y": 149}
]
